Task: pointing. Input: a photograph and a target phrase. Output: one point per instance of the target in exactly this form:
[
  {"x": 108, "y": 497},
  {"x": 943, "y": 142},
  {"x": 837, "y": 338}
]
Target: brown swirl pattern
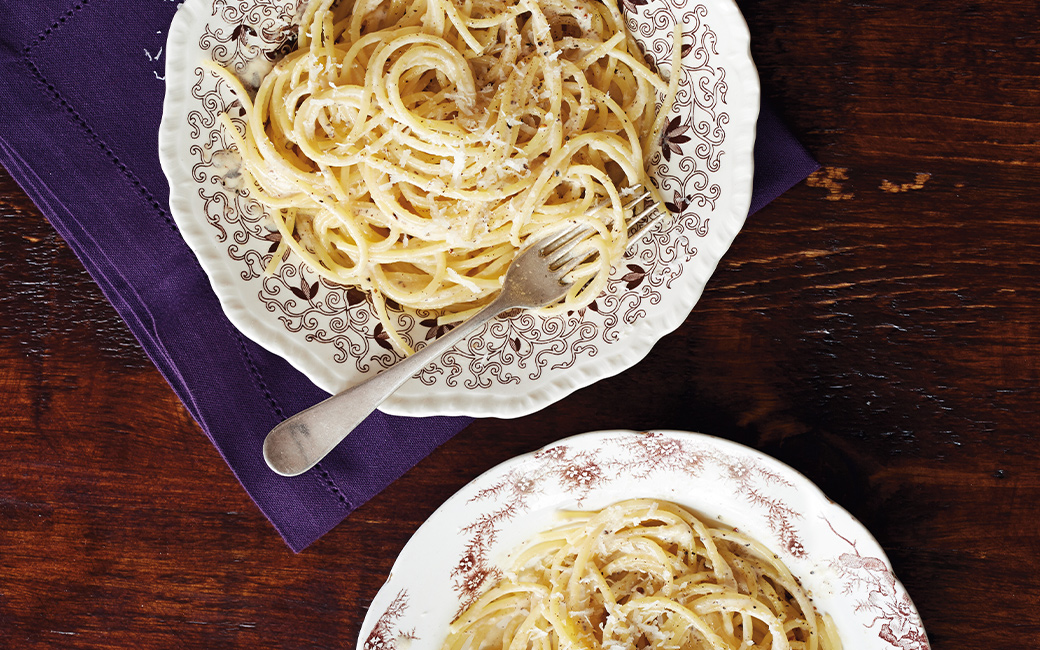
[{"x": 249, "y": 35}]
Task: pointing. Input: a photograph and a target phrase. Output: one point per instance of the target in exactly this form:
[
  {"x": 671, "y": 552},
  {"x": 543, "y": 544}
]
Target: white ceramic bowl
[{"x": 444, "y": 564}]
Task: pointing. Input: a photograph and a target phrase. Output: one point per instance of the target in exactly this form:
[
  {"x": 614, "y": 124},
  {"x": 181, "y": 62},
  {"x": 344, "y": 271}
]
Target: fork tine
[
  {"x": 563, "y": 251},
  {"x": 630, "y": 203},
  {"x": 636, "y": 218},
  {"x": 562, "y": 239},
  {"x": 558, "y": 249},
  {"x": 634, "y": 202},
  {"x": 572, "y": 263},
  {"x": 646, "y": 220}
]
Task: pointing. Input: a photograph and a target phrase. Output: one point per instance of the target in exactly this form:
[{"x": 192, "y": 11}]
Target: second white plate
[{"x": 448, "y": 560}]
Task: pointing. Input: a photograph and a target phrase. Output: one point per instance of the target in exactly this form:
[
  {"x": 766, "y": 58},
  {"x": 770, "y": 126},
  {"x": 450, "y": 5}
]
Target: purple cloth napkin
[{"x": 81, "y": 95}]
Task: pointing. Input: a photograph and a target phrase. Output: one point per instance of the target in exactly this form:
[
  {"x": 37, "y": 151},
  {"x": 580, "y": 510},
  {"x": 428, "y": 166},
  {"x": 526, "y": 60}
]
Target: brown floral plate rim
[{"x": 456, "y": 553}]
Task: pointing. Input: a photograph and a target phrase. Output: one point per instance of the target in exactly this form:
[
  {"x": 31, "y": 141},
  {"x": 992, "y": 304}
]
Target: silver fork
[{"x": 534, "y": 279}]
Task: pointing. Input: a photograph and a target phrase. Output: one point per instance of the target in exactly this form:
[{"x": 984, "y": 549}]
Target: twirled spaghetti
[
  {"x": 411, "y": 147},
  {"x": 643, "y": 574}
]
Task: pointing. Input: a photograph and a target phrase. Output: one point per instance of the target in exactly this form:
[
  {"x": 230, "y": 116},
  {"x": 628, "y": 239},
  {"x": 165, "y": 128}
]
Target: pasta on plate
[
  {"x": 411, "y": 147},
  {"x": 643, "y": 574}
]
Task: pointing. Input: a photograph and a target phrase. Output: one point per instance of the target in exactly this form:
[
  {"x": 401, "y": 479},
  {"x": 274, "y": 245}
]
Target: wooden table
[{"x": 877, "y": 327}]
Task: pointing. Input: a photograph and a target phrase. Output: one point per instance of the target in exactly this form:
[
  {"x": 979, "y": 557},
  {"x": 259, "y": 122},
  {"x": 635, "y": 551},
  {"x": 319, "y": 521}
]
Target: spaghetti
[
  {"x": 411, "y": 147},
  {"x": 643, "y": 574}
]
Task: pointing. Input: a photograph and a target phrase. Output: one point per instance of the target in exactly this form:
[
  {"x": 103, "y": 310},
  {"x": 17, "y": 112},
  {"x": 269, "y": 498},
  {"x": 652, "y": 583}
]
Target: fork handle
[{"x": 302, "y": 440}]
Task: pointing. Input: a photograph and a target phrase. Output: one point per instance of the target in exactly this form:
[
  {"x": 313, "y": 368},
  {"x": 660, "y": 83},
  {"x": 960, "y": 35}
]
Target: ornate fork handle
[{"x": 301, "y": 441}]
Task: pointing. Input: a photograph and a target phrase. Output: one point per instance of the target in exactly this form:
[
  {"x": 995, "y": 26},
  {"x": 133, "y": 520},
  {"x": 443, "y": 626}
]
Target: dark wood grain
[{"x": 877, "y": 327}]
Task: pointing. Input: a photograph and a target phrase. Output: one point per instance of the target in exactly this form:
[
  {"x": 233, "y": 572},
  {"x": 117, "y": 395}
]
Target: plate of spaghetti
[
  {"x": 623, "y": 539},
  {"x": 355, "y": 177}
]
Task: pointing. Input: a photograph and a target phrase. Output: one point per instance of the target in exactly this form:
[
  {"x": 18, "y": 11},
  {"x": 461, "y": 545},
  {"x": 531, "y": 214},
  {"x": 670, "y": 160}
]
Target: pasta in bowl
[
  {"x": 410, "y": 149},
  {"x": 723, "y": 547},
  {"x": 253, "y": 240},
  {"x": 643, "y": 573}
]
